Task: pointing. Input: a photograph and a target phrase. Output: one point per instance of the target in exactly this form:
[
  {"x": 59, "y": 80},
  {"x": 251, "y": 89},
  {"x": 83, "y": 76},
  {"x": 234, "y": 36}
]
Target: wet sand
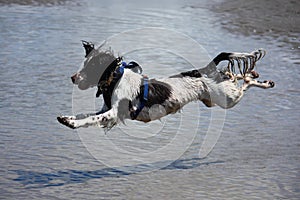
[
  {"x": 261, "y": 17},
  {"x": 275, "y": 18},
  {"x": 255, "y": 17}
]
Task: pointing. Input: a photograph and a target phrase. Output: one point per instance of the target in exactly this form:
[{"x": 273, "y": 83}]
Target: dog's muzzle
[{"x": 75, "y": 78}]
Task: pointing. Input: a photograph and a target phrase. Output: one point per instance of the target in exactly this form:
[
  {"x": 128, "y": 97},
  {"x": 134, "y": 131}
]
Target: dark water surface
[{"x": 256, "y": 157}]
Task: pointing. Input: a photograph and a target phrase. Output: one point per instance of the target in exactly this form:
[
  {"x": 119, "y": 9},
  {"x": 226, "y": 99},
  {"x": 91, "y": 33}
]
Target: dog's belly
[{"x": 158, "y": 111}]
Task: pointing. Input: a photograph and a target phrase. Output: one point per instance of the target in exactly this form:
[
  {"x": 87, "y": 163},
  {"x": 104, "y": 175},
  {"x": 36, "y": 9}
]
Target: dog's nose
[{"x": 74, "y": 78}]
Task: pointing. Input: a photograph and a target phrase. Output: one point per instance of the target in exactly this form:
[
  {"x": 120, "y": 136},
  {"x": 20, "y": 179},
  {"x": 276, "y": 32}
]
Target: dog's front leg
[
  {"x": 107, "y": 119},
  {"x": 71, "y": 121}
]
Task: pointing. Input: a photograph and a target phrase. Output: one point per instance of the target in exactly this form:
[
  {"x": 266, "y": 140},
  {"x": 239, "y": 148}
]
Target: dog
[{"x": 128, "y": 94}]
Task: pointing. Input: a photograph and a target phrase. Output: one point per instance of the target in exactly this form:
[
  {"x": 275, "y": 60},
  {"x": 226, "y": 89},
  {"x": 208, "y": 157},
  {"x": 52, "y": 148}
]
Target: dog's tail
[{"x": 211, "y": 69}]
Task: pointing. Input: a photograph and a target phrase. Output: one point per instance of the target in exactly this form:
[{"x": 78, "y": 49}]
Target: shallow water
[{"x": 257, "y": 154}]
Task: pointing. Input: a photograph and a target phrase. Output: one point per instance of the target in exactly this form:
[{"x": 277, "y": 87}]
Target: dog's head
[{"x": 98, "y": 65}]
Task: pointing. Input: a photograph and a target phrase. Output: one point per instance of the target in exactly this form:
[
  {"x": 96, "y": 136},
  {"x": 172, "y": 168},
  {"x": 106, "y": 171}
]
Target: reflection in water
[{"x": 32, "y": 179}]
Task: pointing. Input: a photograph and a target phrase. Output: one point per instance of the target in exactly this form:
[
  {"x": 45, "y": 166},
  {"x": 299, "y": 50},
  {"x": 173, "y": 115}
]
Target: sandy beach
[
  {"x": 275, "y": 18},
  {"x": 261, "y": 16}
]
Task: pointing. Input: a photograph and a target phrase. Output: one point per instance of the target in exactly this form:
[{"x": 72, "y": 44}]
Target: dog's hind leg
[
  {"x": 211, "y": 69},
  {"x": 249, "y": 82},
  {"x": 248, "y": 61}
]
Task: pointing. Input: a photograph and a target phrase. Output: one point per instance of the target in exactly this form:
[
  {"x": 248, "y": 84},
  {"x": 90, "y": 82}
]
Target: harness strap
[
  {"x": 116, "y": 77},
  {"x": 143, "y": 100},
  {"x": 122, "y": 67}
]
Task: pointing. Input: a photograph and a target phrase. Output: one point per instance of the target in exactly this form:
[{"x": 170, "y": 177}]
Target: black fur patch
[
  {"x": 158, "y": 92},
  {"x": 107, "y": 93},
  {"x": 98, "y": 65},
  {"x": 107, "y": 90},
  {"x": 210, "y": 68},
  {"x": 194, "y": 73},
  {"x": 220, "y": 57}
]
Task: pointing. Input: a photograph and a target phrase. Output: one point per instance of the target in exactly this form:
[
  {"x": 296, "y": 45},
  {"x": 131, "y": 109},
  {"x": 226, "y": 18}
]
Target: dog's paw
[
  {"x": 270, "y": 83},
  {"x": 68, "y": 121}
]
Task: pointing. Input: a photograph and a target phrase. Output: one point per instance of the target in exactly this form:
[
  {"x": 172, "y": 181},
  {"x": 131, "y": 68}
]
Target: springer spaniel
[{"x": 130, "y": 95}]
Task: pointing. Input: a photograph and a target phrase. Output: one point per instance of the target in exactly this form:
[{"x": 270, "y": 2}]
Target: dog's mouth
[{"x": 77, "y": 79}]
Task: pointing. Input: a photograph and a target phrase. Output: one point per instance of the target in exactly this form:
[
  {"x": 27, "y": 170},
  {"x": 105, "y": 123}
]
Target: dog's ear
[{"x": 88, "y": 46}]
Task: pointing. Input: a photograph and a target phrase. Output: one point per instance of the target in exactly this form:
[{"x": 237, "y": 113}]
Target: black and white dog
[{"x": 130, "y": 95}]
